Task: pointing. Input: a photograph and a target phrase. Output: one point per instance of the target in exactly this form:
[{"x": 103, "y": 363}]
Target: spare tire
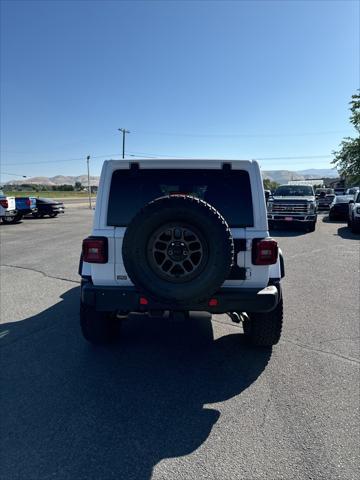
[{"x": 179, "y": 249}]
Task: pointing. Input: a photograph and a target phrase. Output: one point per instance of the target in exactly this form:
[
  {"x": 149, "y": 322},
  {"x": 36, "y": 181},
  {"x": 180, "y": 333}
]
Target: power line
[
  {"x": 157, "y": 155},
  {"x": 14, "y": 174},
  {"x": 60, "y": 161},
  {"x": 241, "y": 135},
  {"x": 293, "y": 158}
]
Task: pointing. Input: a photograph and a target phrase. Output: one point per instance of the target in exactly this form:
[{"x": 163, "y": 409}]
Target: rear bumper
[
  {"x": 339, "y": 213},
  {"x": 9, "y": 213},
  {"x": 127, "y": 299}
]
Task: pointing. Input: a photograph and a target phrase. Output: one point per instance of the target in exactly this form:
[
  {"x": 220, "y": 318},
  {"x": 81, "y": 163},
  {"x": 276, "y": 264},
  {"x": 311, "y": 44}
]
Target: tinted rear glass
[
  {"x": 228, "y": 192},
  {"x": 294, "y": 191},
  {"x": 343, "y": 198}
]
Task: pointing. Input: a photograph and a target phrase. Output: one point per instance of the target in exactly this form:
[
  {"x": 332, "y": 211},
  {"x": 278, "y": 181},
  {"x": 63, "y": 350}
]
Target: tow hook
[{"x": 235, "y": 317}]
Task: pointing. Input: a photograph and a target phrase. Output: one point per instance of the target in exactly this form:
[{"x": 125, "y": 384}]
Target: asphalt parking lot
[{"x": 161, "y": 405}]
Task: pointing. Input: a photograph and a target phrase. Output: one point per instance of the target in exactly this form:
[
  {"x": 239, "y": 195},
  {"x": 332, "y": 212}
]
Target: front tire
[
  {"x": 98, "y": 328},
  {"x": 311, "y": 227},
  {"x": 355, "y": 226},
  {"x": 264, "y": 329}
]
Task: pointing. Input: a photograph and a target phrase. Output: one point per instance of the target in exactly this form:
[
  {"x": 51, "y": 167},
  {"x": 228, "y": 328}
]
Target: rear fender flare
[{"x": 277, "y": 270}]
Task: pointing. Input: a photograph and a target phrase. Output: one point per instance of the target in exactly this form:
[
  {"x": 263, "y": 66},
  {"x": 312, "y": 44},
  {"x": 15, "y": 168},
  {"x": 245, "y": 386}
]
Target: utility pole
[
  {"x": 89, "y": 188},
  {"x": 124, "y": 131}
]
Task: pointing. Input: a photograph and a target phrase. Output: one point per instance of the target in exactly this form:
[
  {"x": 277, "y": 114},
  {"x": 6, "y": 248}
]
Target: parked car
[
  {"x": 8, "y": 212},
  {"x": 47, "y": 206},
  {"x": 354, "y": 214},
  {"x": 25, "y": 205},
  {"x": 324, "y": 202},
  {"x": 339, "y": 191},
  {"x": 323, "y": 191},
  {"x": 352, "y": 191},
  {"x": 293, "y": 204},
  {"x": 339, "y": 208},
  {"x": 179, "y": 236},
  {"x": 267, "y": 195}
]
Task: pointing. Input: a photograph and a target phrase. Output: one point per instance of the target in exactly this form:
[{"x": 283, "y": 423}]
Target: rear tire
[
  {"x": 264, "y": 329},
  {"x": 98, "y": 328},
  {"x": 53, "y": 215}
]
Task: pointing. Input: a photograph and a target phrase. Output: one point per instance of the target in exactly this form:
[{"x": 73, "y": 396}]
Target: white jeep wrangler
[{"x": 180, "y": 236}]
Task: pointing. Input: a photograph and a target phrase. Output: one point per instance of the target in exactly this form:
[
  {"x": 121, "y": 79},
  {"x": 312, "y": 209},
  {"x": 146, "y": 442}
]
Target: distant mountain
[
  {"x": 279, "y": 176},
  {"x": 319, "y": 173},
  {"x": 57, "y": 180},
  {"x": 284, "y": 176}
]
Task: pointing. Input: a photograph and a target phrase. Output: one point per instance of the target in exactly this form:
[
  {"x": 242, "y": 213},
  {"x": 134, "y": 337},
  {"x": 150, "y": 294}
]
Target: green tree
[
  {"x": 78, "y": 186},
  {"x": 347, "y": 158},
  {"x": 269, "y": 184}
]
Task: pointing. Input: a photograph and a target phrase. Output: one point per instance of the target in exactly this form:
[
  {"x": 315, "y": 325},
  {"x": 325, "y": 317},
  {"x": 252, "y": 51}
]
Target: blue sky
[{"x": 204, "y": 79}]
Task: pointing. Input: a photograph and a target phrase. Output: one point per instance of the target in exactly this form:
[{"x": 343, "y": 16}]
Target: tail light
[
  {"x": 213, "y": 302},
  {"x": 95, "y": 250},
  {"x": 28, "y": 202},
  {"x": 265, "y": 251},
  {"x": 4, "y": 203}
]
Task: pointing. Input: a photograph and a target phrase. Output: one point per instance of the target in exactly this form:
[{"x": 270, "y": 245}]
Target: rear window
[
  {"x": 294, "y": 191},
  {"x": 228, "y": 192},
  {"x": 343, "y": 198}
]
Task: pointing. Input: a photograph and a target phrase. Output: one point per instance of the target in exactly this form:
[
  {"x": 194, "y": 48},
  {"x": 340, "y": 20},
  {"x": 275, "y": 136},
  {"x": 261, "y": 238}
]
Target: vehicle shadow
[
  {"x": 326, "y": 219},
  {"x": 75, "y": 411},
  {"x": 30, "y": 217},
  {"x": 293, "y": 231},
  {"x": 4, "y": 224},
  {"x": 346, "y": 233}
]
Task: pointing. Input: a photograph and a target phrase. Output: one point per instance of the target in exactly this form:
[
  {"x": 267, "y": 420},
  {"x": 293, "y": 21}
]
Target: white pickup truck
[
  {"x": 178, "y": 236},
  {"x": 7, "y": 207},
  {"x": 354, "y": 214}
]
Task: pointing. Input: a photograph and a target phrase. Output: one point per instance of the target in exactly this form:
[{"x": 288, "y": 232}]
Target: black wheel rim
[{"x": 177, "y": 252}]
